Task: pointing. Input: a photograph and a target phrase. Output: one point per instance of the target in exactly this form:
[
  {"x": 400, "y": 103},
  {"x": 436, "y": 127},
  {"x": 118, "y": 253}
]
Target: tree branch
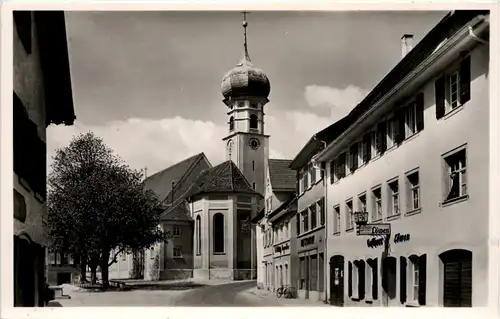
[{"x": 114, "y": 257}]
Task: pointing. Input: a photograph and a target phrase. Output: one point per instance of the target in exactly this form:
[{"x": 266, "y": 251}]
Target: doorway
[
  {"x": 457, "y": 283},
  {"x": 389, "y": 266},
  {"x": 337, "y": 281},
  {"x": 24, "y": 273}
]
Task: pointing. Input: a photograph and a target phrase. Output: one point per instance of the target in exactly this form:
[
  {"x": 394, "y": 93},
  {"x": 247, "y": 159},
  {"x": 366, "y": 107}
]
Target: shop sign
[
  {"x": 374, "y": 229},
  {"x": 307, "y": 241}
]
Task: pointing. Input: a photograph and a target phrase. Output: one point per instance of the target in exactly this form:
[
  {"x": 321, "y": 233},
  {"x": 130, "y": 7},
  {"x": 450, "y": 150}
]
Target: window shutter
[
  {"x": 399, "y": 126},
  {"x": 375, "y": 279},
  {"x": 361, "y": 280},
  {"x": 419, "y": 111},
  {"x": 366, "y": 148},
  {"x": 332, "y": 171},
  {"x": 343, "y": 165},
  {"x": 354, "y": 157},
  {"x": 402, "y": 279},
  {"x": 349, "y": 279},
  {"x": 439, "y": 91},
  {"x": 465, "y": 80},
  {"x": 422, "y": 279},
  {"x": 381, "y": 137}
]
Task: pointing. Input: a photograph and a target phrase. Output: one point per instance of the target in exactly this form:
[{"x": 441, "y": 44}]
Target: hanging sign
[{"x": 374, "y": 229}]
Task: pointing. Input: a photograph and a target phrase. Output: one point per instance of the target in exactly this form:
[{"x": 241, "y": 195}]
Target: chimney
[{"x": 406, "y": 44}]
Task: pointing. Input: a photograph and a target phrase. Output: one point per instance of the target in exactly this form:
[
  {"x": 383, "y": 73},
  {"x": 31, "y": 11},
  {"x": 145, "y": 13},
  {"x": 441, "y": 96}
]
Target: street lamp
[{"x": 361, "y": 218}]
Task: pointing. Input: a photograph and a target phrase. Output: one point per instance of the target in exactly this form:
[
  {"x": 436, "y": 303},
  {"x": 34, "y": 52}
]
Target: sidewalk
[{"x": 270, "y": 297}]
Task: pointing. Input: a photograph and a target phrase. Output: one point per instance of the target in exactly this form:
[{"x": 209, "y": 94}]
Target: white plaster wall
[{"x": 435, "y": 229}]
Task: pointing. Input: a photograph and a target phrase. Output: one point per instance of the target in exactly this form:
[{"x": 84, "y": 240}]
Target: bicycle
[{"x": 289, "y": 292}]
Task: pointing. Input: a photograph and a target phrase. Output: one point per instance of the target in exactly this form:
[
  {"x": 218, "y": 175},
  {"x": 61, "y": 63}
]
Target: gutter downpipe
[
  {"x": 430, "y": 59},
  {"x": 325, "y": 267}
]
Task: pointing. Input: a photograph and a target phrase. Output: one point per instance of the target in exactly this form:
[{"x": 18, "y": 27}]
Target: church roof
[
  {"x": 223, "y": 178},
  {"x": 161, "y": 182},
  {"x": 282, "y": 177}
]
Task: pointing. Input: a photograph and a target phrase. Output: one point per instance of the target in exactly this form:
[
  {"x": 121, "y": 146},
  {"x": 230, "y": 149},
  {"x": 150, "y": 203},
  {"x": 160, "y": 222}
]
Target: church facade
[{"x": 208, "y": 210}]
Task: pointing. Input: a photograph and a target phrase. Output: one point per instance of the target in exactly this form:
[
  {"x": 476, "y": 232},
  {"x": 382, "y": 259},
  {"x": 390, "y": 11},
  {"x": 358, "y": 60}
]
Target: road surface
[{"x": 225, "y": 295}]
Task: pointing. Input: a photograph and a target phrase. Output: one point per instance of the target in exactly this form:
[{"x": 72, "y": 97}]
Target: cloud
[
  {"x": 157, "y": 144},
  {"x": 339, "y": 101}
]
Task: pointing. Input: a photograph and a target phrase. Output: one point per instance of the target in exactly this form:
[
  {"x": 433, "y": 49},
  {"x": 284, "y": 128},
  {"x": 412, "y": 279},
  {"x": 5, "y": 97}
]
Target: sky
[{"x": 148, "y": 83}]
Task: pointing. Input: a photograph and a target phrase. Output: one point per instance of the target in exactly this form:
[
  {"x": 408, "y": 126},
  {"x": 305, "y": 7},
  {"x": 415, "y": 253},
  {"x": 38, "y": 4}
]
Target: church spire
[{"x": 245, "y": 59}]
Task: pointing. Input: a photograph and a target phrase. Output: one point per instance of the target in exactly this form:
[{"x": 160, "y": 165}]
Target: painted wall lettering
[
  {"x": 307, "y": 241},
  {"x": 401, "y": 238},
  {"x": 375, "y": 242}
]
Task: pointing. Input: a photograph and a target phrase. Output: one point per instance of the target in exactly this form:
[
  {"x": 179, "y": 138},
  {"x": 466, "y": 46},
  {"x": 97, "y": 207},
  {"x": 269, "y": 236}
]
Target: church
[{"x": 208, "y": 209}]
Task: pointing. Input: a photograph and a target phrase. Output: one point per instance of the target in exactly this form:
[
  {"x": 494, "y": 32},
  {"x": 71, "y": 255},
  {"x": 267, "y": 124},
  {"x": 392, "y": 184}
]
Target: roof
[
  {"x": 316, "y": 142},
  {"x": 281, "y": 176},
  {"x": 287, "y": 206},
  {"x": 161, "y": 182},
  {"x": 223, "y": 178},
  {"x": 54, "y": 62},
  {"x": 177, "y": 211},
  {"x": 450, "y": 24},
  {"x": 259, "y": 216}
]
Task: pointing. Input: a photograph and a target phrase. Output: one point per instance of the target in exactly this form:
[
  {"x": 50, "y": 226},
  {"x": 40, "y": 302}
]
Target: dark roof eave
[
  {"x": 282, "y": 207},
  {"x": 306, "y": 153},
  {"x": 54, "y": 62}
]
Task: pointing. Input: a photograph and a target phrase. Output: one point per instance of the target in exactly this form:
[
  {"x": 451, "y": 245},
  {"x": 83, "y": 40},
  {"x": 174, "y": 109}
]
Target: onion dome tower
[{"x": 246, "y": 89}]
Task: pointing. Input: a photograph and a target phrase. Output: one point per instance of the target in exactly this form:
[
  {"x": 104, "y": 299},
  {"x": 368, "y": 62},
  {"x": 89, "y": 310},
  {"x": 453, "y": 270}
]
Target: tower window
[
  {"x": 218, "y": 233},
  {"x": 253, "y": 105},
  {"x": 253, "y": 165},
  {"x": 253, "y": 121},
  {"x": 231, "y": 123},
  {"x": 253, "y": 185},
  {"x": 198, "y": 235}
]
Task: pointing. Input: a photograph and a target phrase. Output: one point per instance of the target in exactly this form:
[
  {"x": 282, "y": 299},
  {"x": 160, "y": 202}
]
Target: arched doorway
[
  {"x": 337, "y": 280},
  {"x": 457, "y": 281},
  {"x": 24, "y": 272}
]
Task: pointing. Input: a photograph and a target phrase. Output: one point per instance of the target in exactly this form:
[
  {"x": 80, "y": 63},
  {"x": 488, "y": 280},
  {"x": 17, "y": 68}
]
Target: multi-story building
[
  {"x": 310, "y": 240},
  {"x": 413, "y": 155},
  {"x": 280, "y": 190},
  {"x": 42, "y": 96}
]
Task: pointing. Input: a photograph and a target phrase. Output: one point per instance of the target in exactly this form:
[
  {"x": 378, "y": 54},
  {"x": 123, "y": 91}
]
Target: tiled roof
[
  {"x": 223, "y": 178},
  {"x": 286, "y": 205},
  {"x": 177, "y": 211},
  {"x": 161, "y": 182},
  {"x": 281, "y": 175}
]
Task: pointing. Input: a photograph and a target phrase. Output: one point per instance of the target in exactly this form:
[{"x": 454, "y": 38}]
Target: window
[
  {"x": 177, "y": 252},
  {"x": 340, "y": 166},
  {"x": 231, "y": 123},
  {"x": 348, "y": 213},
  {"x": 297, "y": 217},
  {"x": 336, "y": 225},
  {"x": 312, "y": 171},
  {"x": 353, "y": 157},
  {"x": 305, "y": 173},
  {"x": 253, "y": 121},
  {"x": 52, "y": 258},
  {"x": 377, "y": 203},
  {"x": 22, "y": 20},
  {"x": 332, "y": 172},
  {"x": 366, "y": 148},
  {"x": 456, "y": 179},
  {"x": 198, "y": 235},
  {"x": 453, "y": 88},
  {"x": 415, "y": 278},
  {"x": 411, "y": 119},
  {"x": 314, "y": 221},
  {"x": 362, "y": 202},
  {"x": 218, "y": 233},
  {"x": 321, "y": 207},
  {"x": 305, "y": 220},
  {"x": 381, "y": 138},
  {"x": 413, "y": 191},
  {"x": 374, "y": 136},
  {"x": 253, "y": 165},
  {"x": 393, "y": 188},
  {"x": 253, "y": 185},
  {"x": 301, "y": 183},
  {"x": 391, "y": 132},
  {"x": 176, "y": 231}
]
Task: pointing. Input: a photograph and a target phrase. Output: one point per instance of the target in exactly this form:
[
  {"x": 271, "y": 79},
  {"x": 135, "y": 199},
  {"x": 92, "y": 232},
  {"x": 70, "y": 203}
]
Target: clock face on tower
[{"x": 254, "y": 143}]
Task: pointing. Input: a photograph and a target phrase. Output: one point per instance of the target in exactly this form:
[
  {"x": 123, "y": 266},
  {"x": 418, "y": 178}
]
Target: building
[
  {"x": 173, "y": 259},
  {"x": 274, "y": 226},
  {"x": 310, "y": 239},
  {"x": 406, "y": 159},
  {"x": 62, "y": 269},
  {"x": 42, "y": 96}
]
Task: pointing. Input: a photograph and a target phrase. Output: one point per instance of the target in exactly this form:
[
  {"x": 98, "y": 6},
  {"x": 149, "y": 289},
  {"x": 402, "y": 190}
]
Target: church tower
[{"x": 245, "y": 89}]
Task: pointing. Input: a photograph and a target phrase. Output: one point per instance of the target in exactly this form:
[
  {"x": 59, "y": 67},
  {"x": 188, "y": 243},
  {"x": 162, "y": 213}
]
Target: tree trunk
[
  {"x": 104, "y": 269},
  {"x": 93, "y": 274},
  {"x": 83, "y": 269}
]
